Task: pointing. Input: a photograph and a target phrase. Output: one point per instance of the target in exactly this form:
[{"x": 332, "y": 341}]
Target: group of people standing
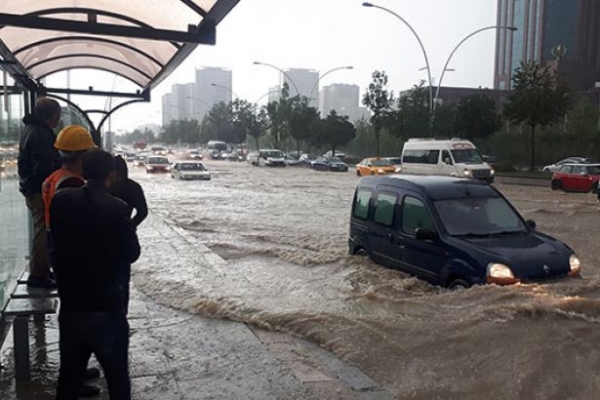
[{"x": 84, "y": 242}]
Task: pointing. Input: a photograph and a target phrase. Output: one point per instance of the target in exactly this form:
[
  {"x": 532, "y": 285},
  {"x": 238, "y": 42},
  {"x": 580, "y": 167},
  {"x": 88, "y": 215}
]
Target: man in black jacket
[
  {"x": 37, "y": 160},
  {"x": 131, "y": 193},
  {"x": 93, "y": 235}
]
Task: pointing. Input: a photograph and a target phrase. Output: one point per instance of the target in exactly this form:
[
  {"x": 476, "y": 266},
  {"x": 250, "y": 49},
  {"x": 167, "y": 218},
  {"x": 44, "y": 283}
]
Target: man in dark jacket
[
  {"x": 93, "y": 235},
  {"x": 131, "y": 193},
  {"x": 37, "y": 160}
]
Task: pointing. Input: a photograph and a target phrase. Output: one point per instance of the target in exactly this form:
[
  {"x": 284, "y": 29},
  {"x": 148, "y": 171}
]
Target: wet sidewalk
[{"x": 177, "y": 355}]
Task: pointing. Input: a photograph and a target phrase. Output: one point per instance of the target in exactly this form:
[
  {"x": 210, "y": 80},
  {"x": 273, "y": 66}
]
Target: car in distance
[
  {"x": 156, "y": 164},
  {"x": 140, "y": 160},
  {"x": 569, "y": 160},
  {"x": 329, "y": 163},
  {"x": 395, "y": 161},
  {"x": 195, "y": 155},
  {"x": 375, "y": 166},
  {"x": 576, "y": 178},
  {"x": 187, "y": 170},
  {"x": 337, "y": 154},
  {"x": 452, "y": 232},
  {"x": 267, "y": 158}
]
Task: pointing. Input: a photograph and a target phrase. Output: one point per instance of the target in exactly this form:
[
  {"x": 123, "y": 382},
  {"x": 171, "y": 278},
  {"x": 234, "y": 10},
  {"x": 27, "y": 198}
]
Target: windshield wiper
[
  {"x": 519, "y": 232},
  {"x": 475, "y": 235}
]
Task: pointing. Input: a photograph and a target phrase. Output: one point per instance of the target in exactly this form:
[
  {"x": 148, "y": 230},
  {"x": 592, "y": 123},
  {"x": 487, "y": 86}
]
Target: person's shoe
[
  {"x": 41, "y": 282},
  {"x": 89, "y": 391},
  {"x": 91, "y": 373}
]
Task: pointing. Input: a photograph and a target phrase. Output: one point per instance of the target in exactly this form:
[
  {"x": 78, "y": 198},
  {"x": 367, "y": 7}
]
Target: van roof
[{"x": 434, "y": 187}]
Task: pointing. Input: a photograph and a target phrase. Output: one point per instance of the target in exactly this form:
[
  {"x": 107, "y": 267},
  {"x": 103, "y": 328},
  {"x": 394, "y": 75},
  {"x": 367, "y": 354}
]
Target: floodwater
[{"x": 281, "y": 235}]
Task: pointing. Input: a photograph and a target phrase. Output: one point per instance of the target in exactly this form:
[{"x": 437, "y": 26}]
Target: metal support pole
[{"x": 21, "y": 342}]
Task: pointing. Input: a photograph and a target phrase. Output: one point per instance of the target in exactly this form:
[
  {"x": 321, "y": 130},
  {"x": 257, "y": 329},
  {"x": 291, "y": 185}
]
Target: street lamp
[
  {"x": 366, "y": 4},
  {"x": 437, "y": 92},
  {"x": 283, "y": 72},
  {"x": 266, "y": 94},
  {"x": 227, "y": 88},
  {"x": 323, "y": 76}
]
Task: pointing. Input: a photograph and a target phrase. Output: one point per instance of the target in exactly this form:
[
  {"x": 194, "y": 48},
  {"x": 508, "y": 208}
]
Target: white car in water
[{"x": 185, "y": 170}]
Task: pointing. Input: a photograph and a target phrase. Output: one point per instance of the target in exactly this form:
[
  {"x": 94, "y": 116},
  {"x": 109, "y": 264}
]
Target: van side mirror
[
  {"x": 426, "y": 234},
  {"x": 531, "y": 224},
  {"x": 448, "y": 160}
]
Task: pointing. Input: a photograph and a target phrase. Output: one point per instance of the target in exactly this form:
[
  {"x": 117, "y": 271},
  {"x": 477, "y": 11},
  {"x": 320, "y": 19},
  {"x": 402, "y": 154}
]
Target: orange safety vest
[{"x": 51, "y": 185}]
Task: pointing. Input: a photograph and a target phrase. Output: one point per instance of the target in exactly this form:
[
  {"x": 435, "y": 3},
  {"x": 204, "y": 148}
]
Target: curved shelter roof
[{"x": 141, "y": 40}]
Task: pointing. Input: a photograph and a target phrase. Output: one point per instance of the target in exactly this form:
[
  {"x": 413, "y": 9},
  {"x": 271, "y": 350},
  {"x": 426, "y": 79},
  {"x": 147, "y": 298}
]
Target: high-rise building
[
  {"x": 167, "y": 106},
  {"x": 303, "y": 82},
  {"x": 564, "y": 34},
  {"x": 213, "y": 85},
  {"x": 344, "y": 99},
  {"x": 181, "y": 101}
]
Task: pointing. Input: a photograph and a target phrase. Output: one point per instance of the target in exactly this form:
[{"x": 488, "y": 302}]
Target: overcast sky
[{"x": 325, "y": 34}]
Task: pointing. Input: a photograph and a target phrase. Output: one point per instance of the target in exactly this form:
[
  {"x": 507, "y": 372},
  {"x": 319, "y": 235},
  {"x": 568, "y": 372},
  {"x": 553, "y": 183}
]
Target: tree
[
  {"x": 539, "y": 98},
  {"x": 379, "y": 101},
  {"x": 258, "y": 123},
  {"x": 302, "y": 121},
  {"x": 336, "y": 130},
  {"x": 411, "y": 117},
  {"x": 279, "y": 116},
  {"x": 476, "y": 117}
]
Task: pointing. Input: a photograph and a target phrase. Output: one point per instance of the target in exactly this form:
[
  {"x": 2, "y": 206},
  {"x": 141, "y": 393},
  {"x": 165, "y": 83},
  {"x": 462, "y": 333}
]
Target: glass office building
[{"x": 562, "y": 34}]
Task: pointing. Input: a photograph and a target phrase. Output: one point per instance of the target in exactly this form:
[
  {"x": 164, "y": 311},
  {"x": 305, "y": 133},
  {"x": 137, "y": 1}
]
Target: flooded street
[{"x": 281, "y": 240}]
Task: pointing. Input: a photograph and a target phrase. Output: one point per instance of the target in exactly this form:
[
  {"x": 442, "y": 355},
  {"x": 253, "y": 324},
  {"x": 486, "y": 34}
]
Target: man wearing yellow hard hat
[{"x": 72, "y": 142}]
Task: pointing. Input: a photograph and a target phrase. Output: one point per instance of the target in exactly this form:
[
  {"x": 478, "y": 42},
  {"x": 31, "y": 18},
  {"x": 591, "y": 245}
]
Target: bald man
[{"x": 37, "y": 160}]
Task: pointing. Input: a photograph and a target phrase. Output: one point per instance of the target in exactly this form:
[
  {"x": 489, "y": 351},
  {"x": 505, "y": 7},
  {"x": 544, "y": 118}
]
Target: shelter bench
[{"x": 24, "y": 303}]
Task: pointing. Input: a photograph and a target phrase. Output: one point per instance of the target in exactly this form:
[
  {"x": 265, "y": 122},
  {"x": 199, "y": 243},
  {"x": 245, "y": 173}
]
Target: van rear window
[{"x": 361, "y": 204}]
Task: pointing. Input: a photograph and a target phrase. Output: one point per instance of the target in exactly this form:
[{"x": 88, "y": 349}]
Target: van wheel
[
  {"x": 357, "y": 173},
  {"x": 556, "y": 184},
  {"x": 372, "y": 173},
  {"x": 459, "y": 284},
  {"x": 362, "y": 253}
]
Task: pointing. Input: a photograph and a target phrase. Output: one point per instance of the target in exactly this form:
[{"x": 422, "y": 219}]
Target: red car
[{"x": 576, "y": 178}]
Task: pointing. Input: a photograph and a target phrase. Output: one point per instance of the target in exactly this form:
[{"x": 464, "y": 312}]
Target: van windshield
[
  {"x": 478, "y": 216},
  {"x": 467, "y": 156}
]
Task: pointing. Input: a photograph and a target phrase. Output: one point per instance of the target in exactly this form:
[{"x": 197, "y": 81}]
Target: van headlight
[
  {"x": 398, "y": 169},
  {"x": 467, "y": 172},
  {"x": 500, "y": 274},
  {"x": 501, "y": 271},
  {"x": 575, "y": 265},
  {"x": 492, "y": 172},
  {"x": 381, "y": 171}
]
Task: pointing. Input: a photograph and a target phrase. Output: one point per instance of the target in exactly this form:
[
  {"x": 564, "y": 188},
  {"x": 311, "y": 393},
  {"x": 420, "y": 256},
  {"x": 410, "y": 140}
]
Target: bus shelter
[{"x": 142, "y": 41}]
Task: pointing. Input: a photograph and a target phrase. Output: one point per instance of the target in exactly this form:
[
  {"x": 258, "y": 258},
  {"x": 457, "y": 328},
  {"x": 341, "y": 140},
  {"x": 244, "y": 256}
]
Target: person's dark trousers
[
  {"x": 124, "y": 276},
  {"x": 104, "y": 334},
  {"x": 38, "y": 262}
]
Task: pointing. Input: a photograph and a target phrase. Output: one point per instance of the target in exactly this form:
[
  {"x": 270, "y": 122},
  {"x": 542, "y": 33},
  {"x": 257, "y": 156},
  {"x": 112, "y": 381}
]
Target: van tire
[
  {"x": 357, "y": 173},
  {"x": 556, "y": 184},
  {"x": 459, "y": 284},
  {"x": 361, "y": 253},
  {"x": 372, "y": 173}
]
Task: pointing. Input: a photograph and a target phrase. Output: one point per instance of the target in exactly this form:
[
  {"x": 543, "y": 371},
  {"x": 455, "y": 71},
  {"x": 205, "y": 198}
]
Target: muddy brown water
[{"x": 281, "y": 237}]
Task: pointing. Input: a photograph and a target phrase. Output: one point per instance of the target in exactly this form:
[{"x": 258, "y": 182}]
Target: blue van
[{"x": 452, "y": 232}]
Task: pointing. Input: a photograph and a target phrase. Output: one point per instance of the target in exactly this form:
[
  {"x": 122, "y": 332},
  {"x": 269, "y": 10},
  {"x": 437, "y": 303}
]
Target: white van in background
[
  {"x": 267, "y": 158},
  {"x": 455, "y": 157}
]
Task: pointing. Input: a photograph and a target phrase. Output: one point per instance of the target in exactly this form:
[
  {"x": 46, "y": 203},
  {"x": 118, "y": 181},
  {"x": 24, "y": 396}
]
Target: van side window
[
  {"x": 433, "y": 157},
  {"x": 421, "y": 156},
  {"x": 384, "y": 209},
  {"x": 414, "y": 215},
  {"x": 446, "y": 156},
  {"x": 361, "y": 204}
]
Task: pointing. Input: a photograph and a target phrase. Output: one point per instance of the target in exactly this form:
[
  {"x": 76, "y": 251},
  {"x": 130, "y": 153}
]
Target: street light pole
[
  {"x": 283, "y": 72},
  {"x": 366, "y": 4},
  {"x": 227, "y": 88},
  {"x": 323, "y": 76},
  {"x": 437, "y": 92}
]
